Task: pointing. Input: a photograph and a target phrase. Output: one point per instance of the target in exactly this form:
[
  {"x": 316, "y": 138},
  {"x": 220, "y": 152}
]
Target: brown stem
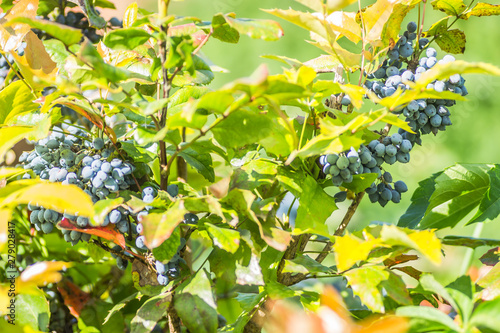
[{"x": 174, "y": 322}]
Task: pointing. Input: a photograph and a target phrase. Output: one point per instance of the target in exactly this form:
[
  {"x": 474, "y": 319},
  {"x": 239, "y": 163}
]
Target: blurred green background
[{"x": 473, "y": 138}]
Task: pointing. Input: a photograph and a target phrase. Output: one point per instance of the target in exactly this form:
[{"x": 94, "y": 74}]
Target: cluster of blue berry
[{"x": 424, "y": 116}]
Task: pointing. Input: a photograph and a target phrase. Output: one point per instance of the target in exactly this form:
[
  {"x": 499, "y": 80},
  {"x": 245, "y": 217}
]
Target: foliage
[{"x": 153, "y": 202}]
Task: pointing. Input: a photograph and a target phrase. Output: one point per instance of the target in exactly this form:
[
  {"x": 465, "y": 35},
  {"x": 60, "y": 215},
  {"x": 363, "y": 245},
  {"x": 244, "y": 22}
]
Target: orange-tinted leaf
[
  {"x": 74, "y": 298},
  {"x": 332, "y": 299},
  {"x": 95, "y": 119},
  {"x": 388, "y": 324},
  {"x": 11, "y": 37},
  {"x": 400, "y": 259},
  {"x": 108, "y": 232}
]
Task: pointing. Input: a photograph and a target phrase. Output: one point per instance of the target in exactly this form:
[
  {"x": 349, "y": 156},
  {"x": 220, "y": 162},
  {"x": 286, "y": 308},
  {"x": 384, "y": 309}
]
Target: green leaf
[
  {"x": 32, "y": 310},
  {"x": 429, "y": 283},
  {"x": 253, "y": 174},
  {"x": 305, "y": 264},
  {"x": 202, "y": 74},
  {"x": 159, "y": 226},
  {"x": 450, "y": 7},
  {"x": 15, "y": 98},
  {"x": 223, "y": 31},
  {"x": 64, "y": 33},
  {"x": 452, "y": 41},
  {"x": 471, "y": 242},
  {"x": 126, "y": 39},
  {"x": 365, "y": 282},
  {"x": 94, "y": 313},
  {"x": 150, "y": 313},
  {"x": 223, "y": 265},
  {"x": 242, "y": 127},
  {"x": 120, "y": 305},
  {"x": 360, "y": 182},
  {"x": 489, "y": 208},
  {"x": 459, "y": 189},
  {"x": 315, "y": 207},
  {"x": 419, "y": 202},
  {"x": 396, "y": 289},
  {"x": 202, "y": 162},
  {"x": 482, "y": 9},
  {"x": 254, "y": 28},
  {"x": 438, "y": 27},
  {"x": 428, "y": 314},
  {"x": 138, "y": 153},
  {"x": 169, "y": 247},
  {"x": 195, "y": 304},
  {"x": 226, "y": 239},
  {"x": 487, "y": 315},
  {"x": 462, "y": 292},
  {"x": 89, "y": 54}
]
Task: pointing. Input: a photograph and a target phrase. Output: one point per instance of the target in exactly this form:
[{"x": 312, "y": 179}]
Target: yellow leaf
[
  {"x": 9, "y": 136},
  {"x": 69, "y": 198},
  {"x": 345, "y": 24},
  {"x": 427, "y": 244},
  {"x": 12, "y": 37},
  {"x": 350, "y": 249},
  {"x": 36, "y": 62},
  {"x": 130, "y": 15},
  {"x": 355, "y": 92},
  {"x": 424, "y": 241},
  {"x": 42, "y": 273},
  {"x": 333, "y": 5},
  {"x": 375, "y": 19}
]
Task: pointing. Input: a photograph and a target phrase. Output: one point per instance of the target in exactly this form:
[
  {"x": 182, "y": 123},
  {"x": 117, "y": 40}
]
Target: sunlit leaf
[
  {"x": 16, "y": 98},
  {"x": 64, "y": 33},
  {"x": 349, "y": 250},
  {"x": 450, "y": 7},
  {"x": 11, "y": 37}
]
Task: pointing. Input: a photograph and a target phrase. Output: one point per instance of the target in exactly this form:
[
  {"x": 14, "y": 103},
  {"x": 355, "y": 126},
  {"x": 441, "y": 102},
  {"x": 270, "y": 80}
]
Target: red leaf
[
  {"x": 492, "y": 257},
  {"x": 74, "y": 298},
  {"x": 108, "y": 232}
]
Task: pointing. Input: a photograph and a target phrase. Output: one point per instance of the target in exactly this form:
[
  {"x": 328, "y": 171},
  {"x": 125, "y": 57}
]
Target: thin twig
[{"x": 343, "y": 225}]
